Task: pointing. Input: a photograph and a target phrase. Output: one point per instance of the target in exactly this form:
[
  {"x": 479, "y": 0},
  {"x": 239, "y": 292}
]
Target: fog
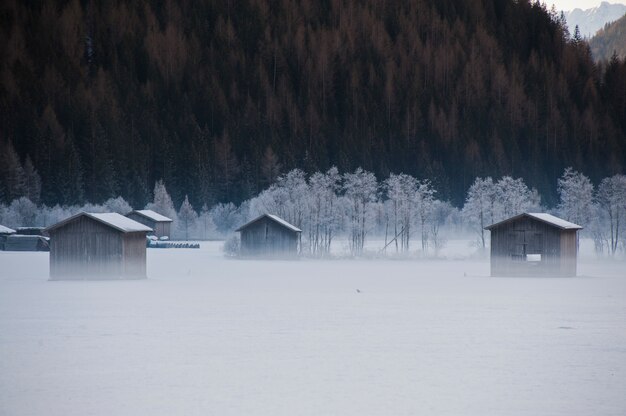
[{"x": 206, "y": 334}]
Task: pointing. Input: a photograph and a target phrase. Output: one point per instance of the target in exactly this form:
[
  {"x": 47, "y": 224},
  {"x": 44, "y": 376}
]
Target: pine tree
[
  {"x": 187, "y": 217},
  {"x": 68, "y": 183},
  {"x": 162, "y": 202},
  {"x": 270, "y": 166},
  {"x": 32, "y": 181},
  {"x": 208, "y": 226},
  {"x": 12, "y": 176}
]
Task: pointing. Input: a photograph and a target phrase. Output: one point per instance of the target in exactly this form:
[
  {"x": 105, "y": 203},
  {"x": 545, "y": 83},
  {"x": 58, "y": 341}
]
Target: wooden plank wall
[
  {"x": 85, "y": 249},
  {"x": 569, "y": 252},
  {"x": 538, "y": 237},
  {"x": 269, "y": 239},
  {"x": 134, "y": 255},
  {"x": 160, "y": 229}
]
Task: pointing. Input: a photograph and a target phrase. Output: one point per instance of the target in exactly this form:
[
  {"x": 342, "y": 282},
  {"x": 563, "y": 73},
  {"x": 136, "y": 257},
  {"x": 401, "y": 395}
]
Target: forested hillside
[
  {"x": 103, "y": 98},
  {"x": 610, "y": 40}
]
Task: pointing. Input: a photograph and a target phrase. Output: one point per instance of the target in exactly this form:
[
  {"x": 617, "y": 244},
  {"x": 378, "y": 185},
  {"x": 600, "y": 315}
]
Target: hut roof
[
  {"x": 154, "y": 216},
  {"x": 546, "y": 218},
  {"x": 111, "y": 219},
  {"x": 26, "y": 243},
  {"x": 274, "y": 218},
  {"x": 29, "y": 237},
  {"x": 30, "y": 230},
  {"x": 6, "y": 230}
]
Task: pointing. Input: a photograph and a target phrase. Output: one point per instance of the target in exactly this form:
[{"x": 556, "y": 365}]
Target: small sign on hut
[
  {"x": 533, "y": 244},
  {"x": 160, "y": 224},
  {"x": 269, "y": 236},
  {"x": 90, "y": 246}
]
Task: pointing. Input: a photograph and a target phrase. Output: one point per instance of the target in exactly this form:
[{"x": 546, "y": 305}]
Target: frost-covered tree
[
  {"x": 425, "y": 198},
  {"x": 441, "y": 212},
  {"x": 3, "y": 213},
  {"x": 576, "y": 197},
  {"x": 402, "y": 190},
  {"x": 118, "y": 205},
  {"x": 226, "y": 217},
  {"x": 47, "y": 216},
  {"x": 597, "y": 228},
  {"x": 187, "y": 217},
  {"x": 479, "y": 207},
  {"x": 611, "y": 198},
  {"x": 272, "y": 200},
  {"x": 324, "y": 210},
  {"x": 360, "y": 190},
  {"x": 22, "y": 212},
  {"x": 296, "y": 193},
  {"x": 206, "y": 225},
  {"x": 513, "y": 197},
  {"x": 162, "y": 202},
  {"x": 289, "y": 198}
]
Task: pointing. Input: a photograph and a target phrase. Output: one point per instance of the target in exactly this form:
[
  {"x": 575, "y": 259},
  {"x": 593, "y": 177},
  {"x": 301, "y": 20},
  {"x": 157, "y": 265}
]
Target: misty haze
[{"x": 312, "y": 208}]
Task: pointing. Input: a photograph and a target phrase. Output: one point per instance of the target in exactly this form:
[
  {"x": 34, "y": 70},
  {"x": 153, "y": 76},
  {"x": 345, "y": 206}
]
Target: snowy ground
[{"x": 205, "y": 335}]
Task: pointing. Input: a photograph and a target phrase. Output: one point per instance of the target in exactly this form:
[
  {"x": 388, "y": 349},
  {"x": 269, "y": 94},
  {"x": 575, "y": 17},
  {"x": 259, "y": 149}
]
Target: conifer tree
[
  {"x": 32, "y": 181},
  {"x": 12, "y": 176},
  {"x": 187, "y": 217},
  {"x": 162, "y": 202}
]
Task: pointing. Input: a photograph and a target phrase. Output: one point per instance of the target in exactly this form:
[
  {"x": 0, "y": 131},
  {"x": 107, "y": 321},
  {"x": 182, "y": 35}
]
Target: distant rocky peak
[{"x": 591, "y": 20}]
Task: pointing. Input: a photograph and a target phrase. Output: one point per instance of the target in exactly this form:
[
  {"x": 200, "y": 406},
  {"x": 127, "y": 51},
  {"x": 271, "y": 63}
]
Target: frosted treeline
[{"x": 401, "y": 211}]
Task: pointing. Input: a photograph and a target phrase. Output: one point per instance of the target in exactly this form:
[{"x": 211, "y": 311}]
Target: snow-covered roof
[
  {"x": 120, "y": 222},
  {"x": 26, "y": 237},
  {"x": 112, "y": 219},
  {"x": 556, "y": 221},
  {"x": 154, "y": 216},
  {"x": 6, "y": 230},
  {"x": 543, "y": 217},
  {"x": 274, "y": 218}
]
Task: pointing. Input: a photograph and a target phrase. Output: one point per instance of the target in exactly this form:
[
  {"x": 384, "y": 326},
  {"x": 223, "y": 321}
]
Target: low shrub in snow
[{"x": 231, "y": 246}]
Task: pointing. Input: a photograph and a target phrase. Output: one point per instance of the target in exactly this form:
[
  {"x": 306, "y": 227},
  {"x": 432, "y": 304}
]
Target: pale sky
[{"x": 578, "y": 4}]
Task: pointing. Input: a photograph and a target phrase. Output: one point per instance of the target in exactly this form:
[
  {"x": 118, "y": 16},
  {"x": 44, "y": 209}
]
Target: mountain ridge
[
  {"x": 106, "y": 98},
  {"x": 589, "y": 21},
  {"x": 610, "y": 39}
]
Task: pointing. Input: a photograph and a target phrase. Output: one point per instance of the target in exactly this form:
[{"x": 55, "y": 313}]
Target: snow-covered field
[{"x": 205, "y": 335}]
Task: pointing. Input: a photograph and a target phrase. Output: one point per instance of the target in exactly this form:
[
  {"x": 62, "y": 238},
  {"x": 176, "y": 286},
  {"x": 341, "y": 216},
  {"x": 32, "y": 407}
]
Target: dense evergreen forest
[{"x": 103, "y": 98}]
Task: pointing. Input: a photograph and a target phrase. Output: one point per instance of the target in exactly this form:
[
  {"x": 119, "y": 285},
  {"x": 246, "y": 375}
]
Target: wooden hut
[
  {"x": 19, "y": 242},
  {"x": 269, "y": 236},
  {"x": 160, "y": 224},
  {"x": 98, "y": 246},
  {"x": 533, "y": 244},
  {"x": 5, "y": 232},
  {"x": 40, "y": 231}
]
